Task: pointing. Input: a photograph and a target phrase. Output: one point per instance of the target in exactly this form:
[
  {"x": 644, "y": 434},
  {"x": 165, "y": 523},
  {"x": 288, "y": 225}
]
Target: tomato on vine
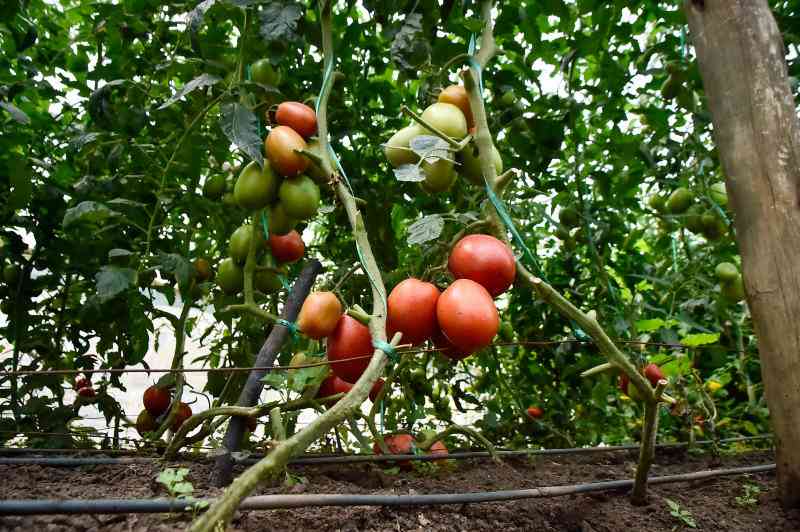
[
  {"x": 485, "y": 260},
  {"x": 282, "y": 145},
  {"x": 319, "y": 314},
  {"x": 287, "y": 248},
  {"x": 467, "y": 315},
  {"x": 412, "y": 311},
  {"x": 349, "y": 339},
  {"x": 297, "y": 116}
]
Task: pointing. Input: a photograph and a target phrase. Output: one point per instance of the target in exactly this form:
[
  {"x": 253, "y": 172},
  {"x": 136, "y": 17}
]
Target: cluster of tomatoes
[
  {"x": 156, "y": 401},
  {"x": 451, "y": 115},
  {"x": 284, "y": 190}
]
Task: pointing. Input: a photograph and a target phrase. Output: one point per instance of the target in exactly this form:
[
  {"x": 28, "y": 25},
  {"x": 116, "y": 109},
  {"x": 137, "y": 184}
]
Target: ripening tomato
[
  {"x": 457, "y": 95},
  {"x": 82, "y": 382},
  {"x": 447, "y": 118},
  {"x": 287, "y": 248},
  {"x": 297, "y": 116},
  {"x": 485, "y": 260},
  {"x": 412, "y": 311},
  {"x": 184, "y": 413},
  {"x": 349, "y": 339},
  {"x": 627, "y": 388},
  {"x": 202, "y": 269},
  {"x": 145, "y": 423},
  {"x": 156, "y": 400},
  {"x": 467, "y": 315},
  {"x": 333, "y": 385},
  {"x": 447, "y": 349},
  {"x": 653, "y": 374},
  {"x": 281, "y": 144},
  {"x": 87, "y": 391},
  {"x": 438, "y": 448},
  {"x": 319, "y": 315},
  {"x": 398, "y": 444},
  {"x": 376, "y": 389},
  {"x": 535, "y": 412}
]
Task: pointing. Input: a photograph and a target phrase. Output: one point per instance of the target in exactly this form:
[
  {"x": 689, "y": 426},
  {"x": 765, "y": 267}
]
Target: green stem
[{"x": 179, "y": 325}]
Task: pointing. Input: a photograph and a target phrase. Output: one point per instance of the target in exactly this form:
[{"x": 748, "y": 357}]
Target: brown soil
[{"x": 712, "y": 503}]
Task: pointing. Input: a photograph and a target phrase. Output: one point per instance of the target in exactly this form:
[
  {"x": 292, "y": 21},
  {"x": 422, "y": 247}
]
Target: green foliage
[
  {"x": 681, "y": 514},
  {"x": 113, "y": 118},
  {"x": 749, "y": 497}
]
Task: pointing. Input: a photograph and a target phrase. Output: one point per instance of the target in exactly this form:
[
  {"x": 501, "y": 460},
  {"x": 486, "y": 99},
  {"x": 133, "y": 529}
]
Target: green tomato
[
  {"x": 569, "y": 217},
  {"x": 726, "y": 272},
  {"x": 256, "y": 187},
  {"x": 230, "y": 277},
  {"x": 11, "y": 274},
  {"x": 694, "y": 219},
  {"x": 439, "y": 176},
  {"x": 299, "y": 197},
  {"x": 214, "y": 187},
  {"x": 732, "y": 292},
  {"x": 397, "y": 148},
  {"x": 657, "y": 203},
  {"x": 280, "y": 223},
  {"x": 262, "y": 72},
  {"x": 671, "y": 87},
  {"x": 680, "y": 200},
  {"x": 266, "y": 281},
  {"x": 719, "y": 194},
  {"x": 471, "y": 163},
  {"x": 714, "y": 227},
  {"x": 229, "y": 200},
  {"x": 240, "y": 243},
  {"x": 447, "y": 118}
]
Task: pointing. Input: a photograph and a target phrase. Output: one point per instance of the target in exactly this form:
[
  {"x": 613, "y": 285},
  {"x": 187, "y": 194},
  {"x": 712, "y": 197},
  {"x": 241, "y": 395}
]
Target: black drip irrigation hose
[
  {"x": 273, "y": 502},
  {"x": 357, "y": 458}
]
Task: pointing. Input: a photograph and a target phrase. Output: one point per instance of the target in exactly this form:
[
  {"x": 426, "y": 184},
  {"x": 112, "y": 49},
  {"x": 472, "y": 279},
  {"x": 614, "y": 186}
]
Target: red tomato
[
  {"x": 349, "y": 339},
  {"x": 485, "y": 260},
  {"x": 156, "y": 400},
  {"x": 86, "y": 391},
  {"x": 319, "y": 315},
  {"x": 653, "y": 374},
  {"x": 287, "y": 248},
  {"x": 467, "y": 315},
  {"x": 438, "y": 448},
  {"x": 82, "y": 382},
  {"x": 535, "y": 412},
  {"x": 398, "y": 444},
  {"x": 624, "y": 380},
  {"x": 297, "y": 116},
  {"x": 412, "y": 311},
  {"x": 448, "y": 349},
  {"x": 184, "y": 413},
  {"x": 331, "y": 386},
  {"x": 376, "y": 389},
  {"x": 457, "y": 95},
  {"x": 281, "y": 144}
]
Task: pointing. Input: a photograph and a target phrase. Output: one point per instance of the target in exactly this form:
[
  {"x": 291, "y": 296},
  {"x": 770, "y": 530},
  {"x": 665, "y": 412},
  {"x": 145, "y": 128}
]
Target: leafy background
[{"x": 115, "y": 115}]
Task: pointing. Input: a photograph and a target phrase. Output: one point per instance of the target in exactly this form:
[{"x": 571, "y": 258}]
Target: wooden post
[{"x": 741, "y": 56}]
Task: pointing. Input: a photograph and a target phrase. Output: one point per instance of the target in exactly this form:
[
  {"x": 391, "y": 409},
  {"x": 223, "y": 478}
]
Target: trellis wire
[
  {"x": 271, "y": 502},
  {"x": 408, "y": 350}
]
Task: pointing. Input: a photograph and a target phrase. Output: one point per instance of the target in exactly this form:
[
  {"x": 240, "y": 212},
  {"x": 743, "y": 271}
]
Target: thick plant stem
[
  {"x": 276, "y": 423},
  {"x": 647, "y": 448},
  {"x": 221, "y": 512}
]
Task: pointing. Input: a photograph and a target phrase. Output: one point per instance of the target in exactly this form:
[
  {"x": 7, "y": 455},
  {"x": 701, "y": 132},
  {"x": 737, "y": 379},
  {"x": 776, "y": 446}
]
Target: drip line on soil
[
  {"x": 407, "y": 350},
  {"x": 355, "y": 458},
  {"x": 272, "y": 502}
]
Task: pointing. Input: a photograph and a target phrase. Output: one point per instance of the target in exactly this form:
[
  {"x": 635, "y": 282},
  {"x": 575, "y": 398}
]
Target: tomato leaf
[
  {"x": 112, "y": 281},
  {"x": 87, "y": 211},
  {"x": 177, "y": 265},
  {"x": 409, "y": 172},
  {"x": 425, "y": 229},
  {"x": 410, "y": 47},
  {"x": 430, "y": 147},
  {"x": 240, "y": 125},
  {"x": 279, "y": 21},
  {"x": 203, "y": 80},
  {"x": 693, "y": 340}
]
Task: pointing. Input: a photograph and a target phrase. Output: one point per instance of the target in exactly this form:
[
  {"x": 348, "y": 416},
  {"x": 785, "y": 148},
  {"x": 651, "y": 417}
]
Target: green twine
[
  {"x": 683, "y": 43},
  {"x": 674, "y": 253},
  {"x": 387, "y": 348},
  {"x": 290, "y": 326},
  {"x": 265, "y": 224}
]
